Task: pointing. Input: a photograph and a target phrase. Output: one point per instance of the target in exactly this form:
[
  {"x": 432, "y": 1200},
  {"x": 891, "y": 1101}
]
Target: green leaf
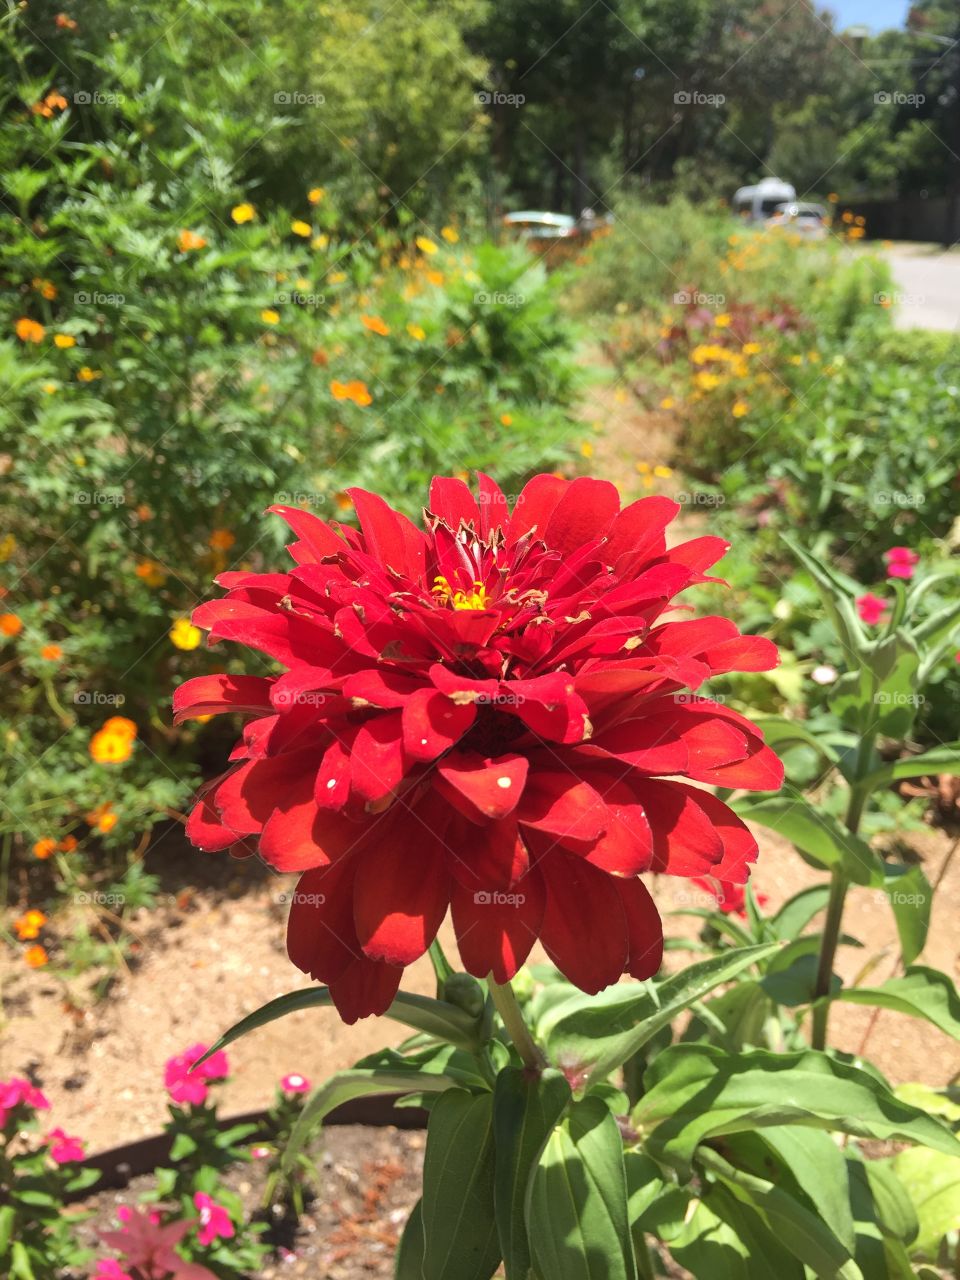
[
  {"x": 408, "y": 1264},
  {"x": 356, "y": 1083},
  {"x": 459, "y": 1220},
  {"x": 525, "y": 1110},
  {"x": 733, "y": 1020},
  {"x": 577, "y": 1202},
  {"x": 20, "y": 1266},
  {"x": 183, "y": 1145},
  {"x": 435, "y": 1017},
  {"x": 911, "y": 900},
  {"x": 942, "y": 759},
  {"x": 797, "y": 912},
  {"x": 781, "y": 733},
  {"x": 789, "y": 1222},
  {"x": 920, "y": 993},
  {"x": 601, "y": 1032},
  {"x": 874, "y": 1182},
  {"x": 815, "y": 833},
  {"x": 726, "y": 1240},
  {"x": 933, "y": 1182},
  {"x": 697, "y": 1092},
  {"x": 894, "y": 663},
  {"x": 653, "y": 1204},
  {"x": 836, "y": 599},
  {"x": 8, "y": 1216}
]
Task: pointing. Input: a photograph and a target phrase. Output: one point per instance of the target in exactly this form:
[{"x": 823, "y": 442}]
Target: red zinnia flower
[
  {"x": 871, "y": 608},
  {"x": 489, "y": 716},
  {"x": 901, "y": 562}
]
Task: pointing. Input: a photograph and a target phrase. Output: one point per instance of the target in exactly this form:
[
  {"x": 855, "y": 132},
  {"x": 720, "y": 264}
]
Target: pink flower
[
  {"x": 150, "y": 1249},
  {"x": 259, "y": 1153},
  {"x": 871, "y": 608},
  {"x": 901, "y": 562},
  {"x": 63, "y": 1148},
  {"x": 17, "y": 1092},
  {"x": 214, "y": 1219},
  {"x": 110, "y": 1269},
  {"x": 187, "y": 1083},
  {"x": 295, "y": 1083}
]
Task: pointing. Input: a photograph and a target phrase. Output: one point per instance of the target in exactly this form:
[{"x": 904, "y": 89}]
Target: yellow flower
[
  {"x": 722, "y": 320},
  {"x": 706, "y": 381},
  {"x": 269, "y": 316},
  {"x": 64, "y": 341},
  {"x": 337, "y": 277},
  {"x": 86, "y": 374},
  {"x": 425, "y": 245},
  {"x": 435, "y": 277},
  {"x": 449, "y": 234},
  {"x": 643, "y": 468},
  {"x": 667, "y": 402},
  {"x": 242, "y": 213},
  {"x": 189, "y": 240},
  {"x": 316, "y": 194},
  {"x": 740, "y": 408},
  {"x": 185, "y": 635},
  {"x": 50, "y": 388},
  {"x": 8, "y": 545},
  {"x": 587, "y": 449},
  {"x": 796, "y": 359},
  {"x": 506, "y": 419},
  {"x": 751, "y": 348},
  {"x": 29, "y": 330},
  {"x": 108, "y": 746},
  {"x": 416, "y": 332},
  {"x": 663, "y": 472},
  {"x": 301, "y": 228},
  {"x": 833, "y": 197},
  {"x": 28, "y": 925}
]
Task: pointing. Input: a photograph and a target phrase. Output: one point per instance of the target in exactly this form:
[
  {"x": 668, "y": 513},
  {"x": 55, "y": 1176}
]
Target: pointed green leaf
[
  {"x": 781, "y": 733},
  {"x": 525, "y": 1110},
  {"x": 697, "y": 1092},
  {"x": 933, "y": 1181},
  {"x": 911, "y": 900},
  {"x": 577, "y": 1218},
  {"x": 815, "y": 833},
  {"x": 797, "y": 912},
  {"x": 408, "y": 1264},
  {"x": 599, "y": 1033},
  {"x": 459, "y": 1220},
  {"x": 942, "y": 759},
  {"x": 920, "y": 993},
  {"x": 727, "y": 1240}
]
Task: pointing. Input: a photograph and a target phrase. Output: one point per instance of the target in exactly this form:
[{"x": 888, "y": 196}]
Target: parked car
[
  {"x": 554, "y": 236},
  {"x": 758, "y": 202},
  {"x": 809, "y": 220}
]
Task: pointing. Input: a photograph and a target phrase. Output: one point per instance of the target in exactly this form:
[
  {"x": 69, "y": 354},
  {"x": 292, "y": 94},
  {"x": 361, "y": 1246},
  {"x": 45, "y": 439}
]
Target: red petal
[
  {"x": 432, "y": 723},
  {"x": 637, "y": 533},
  {"x": 299, "y": 834},
  {"x": 739, "y": 846},
  {"x": 762, "y": 770},
  {"x": 584, "y": 929},
  {"x": 205, "y": 830},
  {"x": 212, "y": 695},
  {"x": 321, "y": 938},
  {"x": 563, "y": 805},
  {"x": 377, "y": 760},
  {"x": 492, "y": 787},
  {"x": 535, "y": 505},
  {"x": 452, "y": 501},
  {"x": 685, "y": 842},
  {"x": 391, "y": 537},
  {"x": 317, "y": 540},
  {"x": 496, "y": 929},
  {"x": 247, "y": 796},
  {"x": 549, "y": 705},
  {"x": 485, "y": 857},
  {"x": 582, "y": 514},
  {"x": 494, "y": 512},
  {"x": 402, "y": 893},
  {"x": 644, "y": 929},
  {"x": 366, "y": 988},
  {"x": 745, "y": 653}
]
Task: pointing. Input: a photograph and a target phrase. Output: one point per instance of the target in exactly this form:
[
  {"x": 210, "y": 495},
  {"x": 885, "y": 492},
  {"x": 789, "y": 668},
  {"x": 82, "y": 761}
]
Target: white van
[{"x": 755, "y": 204}]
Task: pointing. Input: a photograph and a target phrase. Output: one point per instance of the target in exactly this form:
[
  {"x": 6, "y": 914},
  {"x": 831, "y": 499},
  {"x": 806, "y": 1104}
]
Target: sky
[{"x": 878, "y": 15}]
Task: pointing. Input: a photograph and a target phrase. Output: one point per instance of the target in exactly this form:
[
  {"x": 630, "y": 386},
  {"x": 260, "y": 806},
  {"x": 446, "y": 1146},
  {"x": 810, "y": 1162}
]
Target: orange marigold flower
[
  {"x": 316, "y": 194},
  {"x": 120, "y": 724},
  {"x": 188, "y": 240},
  {"x": 56, "y": 100},
  {"x": 86, "y": 374},
  {"x": 10, "y": 624},
  {"x": 51, "y": 653},
  {"x": 355, "y": 391},
  {"x": 153, "y": 574},
  {"x": 44, "y": 848},
  {"x": 102, "y": 818},
  {"x": 46, "y": 288},
  {"x": 506, "y": 419},
  {"x": 107, "y": 822},
  {"x": 67, "y": 844},
  {"x": 28, "y": 330},
  {"x": 221, "y": 540},
  {"x": 110, "y": 748},
  {"x": 28, "y": 925},
  {"x": 65, "y": 22},
  {"x": 375, "y": 324},
  {"x": 36, "y": 956}
]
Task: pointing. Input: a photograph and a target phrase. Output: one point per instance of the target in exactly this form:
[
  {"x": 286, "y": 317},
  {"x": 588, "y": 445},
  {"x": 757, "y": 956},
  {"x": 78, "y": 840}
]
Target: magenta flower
[
  {"x": 871, "y": 608},
  {"x": 901, "y": 562},
  {"x": 149, "y": 1248},
  {"x": 295, "y": 1083},
  {"x": 110, "y": 1269},
  {"x": 63, "y": 1148},
  {"x": 187, "y": 1083},
  {"x": 18, "y": 1092},
  {"x": 214, "y": 1220}
]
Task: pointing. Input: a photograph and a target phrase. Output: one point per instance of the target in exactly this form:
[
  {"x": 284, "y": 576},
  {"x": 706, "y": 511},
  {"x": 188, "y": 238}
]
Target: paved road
[{"x": 927, "y": 287}]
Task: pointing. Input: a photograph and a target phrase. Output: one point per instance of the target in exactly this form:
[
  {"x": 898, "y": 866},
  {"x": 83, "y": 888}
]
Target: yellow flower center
[{"x": 476, "y": 598}]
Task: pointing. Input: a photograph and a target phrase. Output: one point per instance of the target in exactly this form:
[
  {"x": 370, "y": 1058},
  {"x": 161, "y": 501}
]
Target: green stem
[{"x": 518, "y": 1031}]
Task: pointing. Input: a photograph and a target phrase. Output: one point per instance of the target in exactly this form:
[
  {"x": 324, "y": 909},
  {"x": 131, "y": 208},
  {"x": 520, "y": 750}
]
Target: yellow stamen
[{"x": 477, "y": 598}]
